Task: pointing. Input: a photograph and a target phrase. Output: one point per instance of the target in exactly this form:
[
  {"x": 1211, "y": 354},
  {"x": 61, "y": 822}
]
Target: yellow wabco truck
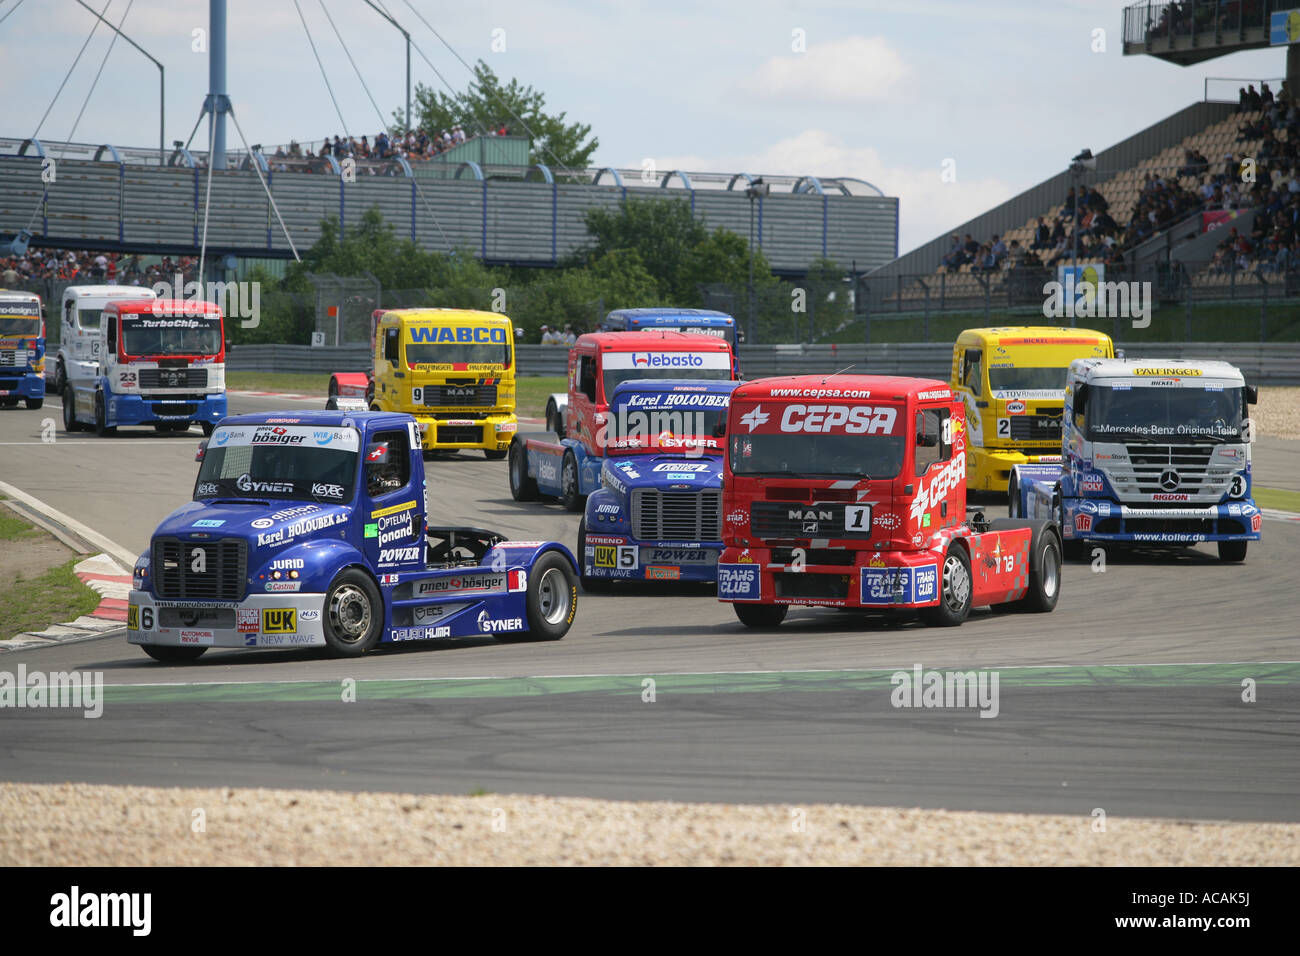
[
  {"x": 452, "y": 369},
  {"x": 1012, "y": 380}
]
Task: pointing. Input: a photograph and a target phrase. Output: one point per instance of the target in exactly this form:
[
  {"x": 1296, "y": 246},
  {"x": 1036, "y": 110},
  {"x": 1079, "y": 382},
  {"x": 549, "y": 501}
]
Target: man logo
[
  {"x": 1169, "y": 479},
  {"x": 755, "y": 417}
]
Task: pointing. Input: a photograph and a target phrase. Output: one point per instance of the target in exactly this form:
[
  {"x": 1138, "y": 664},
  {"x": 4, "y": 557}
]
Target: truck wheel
[
  {"x": 570, "y": 496},
  {"x": 102, "y": 427},
  {"x": 1013, "y": 498},
  {"x": 354, "y": 614},
  {"x": 760, "y": 615},
  {"x": 332, "y": 399},
  {"x": 1232, "y": 552},
  {"x": 208, "y": 428},
  {"x": 553, "y": 421},
  {"x": 1044, "y": 565},
  {"x": 552, "y": 599},
  {"x": 493, "y": 455},
  {"x": 70, "y": 423},
  {"x": 173, "y": 655},
  {"x": 589, "y": 584},
  {"x": 954, "y": 593},
  {"x": 34, "y": 403},
  {"x": 522, "y": 488},
  {"x": 60, "y": 377}
]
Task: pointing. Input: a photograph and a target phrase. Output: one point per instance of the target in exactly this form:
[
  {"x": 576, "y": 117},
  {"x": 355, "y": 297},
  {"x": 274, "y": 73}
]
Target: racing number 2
[{"x": 1004, "y": 428}]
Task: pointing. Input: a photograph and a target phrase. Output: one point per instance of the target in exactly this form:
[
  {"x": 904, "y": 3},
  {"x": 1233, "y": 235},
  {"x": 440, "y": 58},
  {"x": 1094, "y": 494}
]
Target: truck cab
[
  {"x": 568, "y": 465},
  {"x": 310, "y": 530},
  {"x": 657, "y": 515},
  {"x": 1156, "y": 453},
  {"x": 849, "y": 491},
  {"x": 159, "y": 362},
  {"x": 80, "y": 334},
  {"x": 1012, "y": 382},
  {"x": 719, "y": 325},
  {"x": 453, "y": 370},
  {"x": 22, "y": 349}
]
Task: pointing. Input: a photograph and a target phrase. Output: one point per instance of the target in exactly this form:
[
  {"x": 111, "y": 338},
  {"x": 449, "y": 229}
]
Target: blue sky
[{"x": 882, "y": 91}]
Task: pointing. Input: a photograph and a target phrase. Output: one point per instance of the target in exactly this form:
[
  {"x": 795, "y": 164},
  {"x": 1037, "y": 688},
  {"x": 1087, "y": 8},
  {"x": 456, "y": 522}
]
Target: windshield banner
[
  {"x": 304, "y": 436},
  {"x": 686, "y": 361}
]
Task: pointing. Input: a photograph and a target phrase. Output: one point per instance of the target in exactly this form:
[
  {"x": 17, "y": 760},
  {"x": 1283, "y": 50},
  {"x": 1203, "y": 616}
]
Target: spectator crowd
[
  {"x": 416, "y": 145},
  {"x": 100, "y": 268}
]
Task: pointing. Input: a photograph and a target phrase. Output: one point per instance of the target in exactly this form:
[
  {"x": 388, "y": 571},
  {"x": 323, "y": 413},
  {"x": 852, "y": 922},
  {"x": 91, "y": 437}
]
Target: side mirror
[
  {"x": 230, "y": 345},
  {"x": 1080, "y": 401},
  {"x": 720, "y": 429},
  {"x": 1252, "y": 394},
  {"x": 927, "y": 441},
  {"x": 203, "y": 449},
  {"x": 390, "y": 345}
]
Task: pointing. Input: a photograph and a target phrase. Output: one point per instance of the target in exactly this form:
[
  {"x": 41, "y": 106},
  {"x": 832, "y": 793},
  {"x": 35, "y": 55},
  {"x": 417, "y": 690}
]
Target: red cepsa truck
[{"x": 849, "y": 491}]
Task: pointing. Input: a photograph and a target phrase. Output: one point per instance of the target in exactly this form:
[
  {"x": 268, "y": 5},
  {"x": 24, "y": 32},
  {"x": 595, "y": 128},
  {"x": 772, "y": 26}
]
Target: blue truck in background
[
  {"x": 309, "y": 529},
  {"x": 22, "y": 349}
]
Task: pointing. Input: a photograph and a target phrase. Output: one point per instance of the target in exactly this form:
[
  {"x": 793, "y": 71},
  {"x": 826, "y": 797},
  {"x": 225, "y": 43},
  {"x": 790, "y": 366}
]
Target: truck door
[
  {"x": 392, "y": 525},
  {"x": 582, "y": 401}
]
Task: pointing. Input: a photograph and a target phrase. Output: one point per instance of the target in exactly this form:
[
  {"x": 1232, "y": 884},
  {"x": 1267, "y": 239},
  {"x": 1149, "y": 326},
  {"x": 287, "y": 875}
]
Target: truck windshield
[
  {"x": 817, "y": 456},
  {"x": 615, "y": 377},
  {"x": 639, "y": 421},
  {"x": 149, "y": 334},
  {"x": 1027, "y": 379},
  {"x": 440, "y": 357},
  {"x": 300, "y": 462},
  {"x": 18, "y": 324},
  {"x": 1164, "y": 414}
]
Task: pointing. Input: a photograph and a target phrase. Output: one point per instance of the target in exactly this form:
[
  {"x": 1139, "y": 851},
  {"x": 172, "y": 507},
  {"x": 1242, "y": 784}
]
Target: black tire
[
  {"x": 589, "y": 584},
  {"x": 552, "y": 599},
  {"x": 1013, "y": 497},
  {"x": 493, "y": 455},
  {"x": 522, "y": 487},
  {"x": 34, "y": 403},
  {"x": 70, "y": 423},
  {"x": 173, "y": 655},
  {"x": 208, "y": 428},
  {"x": 761, "y": 615},
  {"x": 1045, "y": 561},
  {"x": 955, "y": 590},
  {"x": 1232, "y": 552},
  {"x": 102, "y": 427},
  {"x": 60, "y": 377},
  {"x": 554, "y": 423},
  {"x": 353, "y": 615},
  {"x": 570, "y": 493},
  {"x": 9, "y": 402}
]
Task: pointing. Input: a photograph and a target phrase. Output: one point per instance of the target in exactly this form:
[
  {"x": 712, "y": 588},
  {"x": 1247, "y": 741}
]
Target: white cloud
[
  {"x": 852, "y": 70},
  {"x": 928, "y": 206}
]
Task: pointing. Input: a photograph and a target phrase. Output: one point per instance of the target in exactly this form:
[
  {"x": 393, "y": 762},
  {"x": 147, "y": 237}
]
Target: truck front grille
[
  {"x": 13, "y": 358},
  {"x": 1044, "y": 428},
  {"x": 1148, "y": 463},
  {"x": 1205, "y": 525},
  {"x": 174, "y": 378},
  {"x": 199, "y": 570},
  {"x": 791, "y": 520},
  {"x": 677, "y": 515},
  {"x": 466, "y": 396},
  {"x": 174, "y": 409},
  {"x": 791, "y": 584},
  {"x": 460, "y": 434}
]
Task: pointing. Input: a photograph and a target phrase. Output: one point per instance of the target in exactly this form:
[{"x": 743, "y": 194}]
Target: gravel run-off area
[
  {"x": 90, "y": 825},
  {"x": 1278, "y": 413}
]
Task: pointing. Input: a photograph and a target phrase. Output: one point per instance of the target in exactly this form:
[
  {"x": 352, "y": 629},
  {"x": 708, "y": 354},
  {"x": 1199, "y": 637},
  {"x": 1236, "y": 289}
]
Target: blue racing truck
[
  {"x": 657, "y": 515},
  {"x": 309, "y": 529},
  {"x": 22, "y": 349},
  {"x": 1155, "y": 453}
]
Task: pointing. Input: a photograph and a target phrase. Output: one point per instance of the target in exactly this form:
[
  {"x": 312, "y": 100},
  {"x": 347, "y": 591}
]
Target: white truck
[
  {"x": 79, "y": 328},
  {"x": 1154, "y": 453}
]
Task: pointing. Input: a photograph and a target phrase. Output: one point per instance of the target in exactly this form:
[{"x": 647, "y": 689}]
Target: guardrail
[{"x": 1272, "y": 364}]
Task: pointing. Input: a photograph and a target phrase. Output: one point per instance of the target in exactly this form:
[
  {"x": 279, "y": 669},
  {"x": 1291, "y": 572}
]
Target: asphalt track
[{"x": 1128, "y": 697}]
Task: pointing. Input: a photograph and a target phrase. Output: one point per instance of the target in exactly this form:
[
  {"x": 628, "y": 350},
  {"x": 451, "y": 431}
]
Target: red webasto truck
[{"x": 850, "y": 491}]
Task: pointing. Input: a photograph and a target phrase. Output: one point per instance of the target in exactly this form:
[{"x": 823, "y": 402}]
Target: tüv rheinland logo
[
  {"x": 241, "y": 300},
  {"x": 1081, "y": 292}
]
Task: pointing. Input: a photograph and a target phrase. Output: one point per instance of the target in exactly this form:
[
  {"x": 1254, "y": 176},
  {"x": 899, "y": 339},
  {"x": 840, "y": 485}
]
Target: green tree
[
  {"x": 488, "y": 103},
  {"x": 662, "y": 232}
]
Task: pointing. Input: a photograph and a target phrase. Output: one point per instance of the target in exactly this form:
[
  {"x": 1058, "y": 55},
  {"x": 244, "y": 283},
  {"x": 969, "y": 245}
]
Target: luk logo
[{"x": 279, "y": 620}]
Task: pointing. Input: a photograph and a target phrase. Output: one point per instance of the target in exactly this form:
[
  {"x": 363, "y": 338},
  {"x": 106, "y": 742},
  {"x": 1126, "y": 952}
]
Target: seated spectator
[
  {"x": 999, "y": 249},
  {"x": 971, "y": 248},
  {"x": 1042, "y": 236},
  {"x": 954, "y": 257},
  {"x": 1265, "y": 96}
]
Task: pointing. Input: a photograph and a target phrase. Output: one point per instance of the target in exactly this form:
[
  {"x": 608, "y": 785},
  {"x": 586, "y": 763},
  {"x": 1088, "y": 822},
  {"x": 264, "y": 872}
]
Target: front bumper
[
  {"x": 1090, "y": 519},
  {"x": 133, "y": 409},
  {"x": 490, "y": 432},
  {"x": 23, "y": 385},
  {"x": 651, "y": 561},
  {"x": 878, "y": 580},
  {"x": 260, "y": 620},
  {"x": 990, "y": 469}
]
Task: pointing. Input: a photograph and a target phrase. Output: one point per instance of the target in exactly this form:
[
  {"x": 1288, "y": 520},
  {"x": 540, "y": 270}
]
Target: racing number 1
[{"x": 857, "y": 518}]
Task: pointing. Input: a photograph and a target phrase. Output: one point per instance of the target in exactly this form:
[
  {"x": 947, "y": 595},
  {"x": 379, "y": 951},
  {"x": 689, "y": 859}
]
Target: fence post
[
  {"x": 1263, "y": 313},
  {"x": 1187, "y": 331}
]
